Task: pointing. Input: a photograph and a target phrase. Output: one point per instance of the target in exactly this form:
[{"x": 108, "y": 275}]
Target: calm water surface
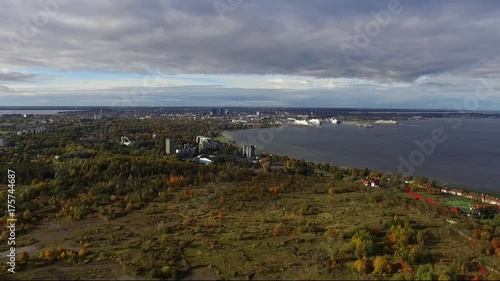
[{"x": 470, "y": 156}]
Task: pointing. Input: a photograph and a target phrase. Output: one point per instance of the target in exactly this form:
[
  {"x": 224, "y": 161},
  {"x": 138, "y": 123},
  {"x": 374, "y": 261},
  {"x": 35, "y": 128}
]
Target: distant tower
[{"x": 169, "y": 146}]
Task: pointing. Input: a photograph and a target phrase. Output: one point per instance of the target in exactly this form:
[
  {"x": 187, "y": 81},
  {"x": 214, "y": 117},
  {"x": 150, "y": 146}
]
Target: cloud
[
  {"x": 292, "y": 45},
  {"x": 5, "y": 89},
  {"x": 9, "y": 76},
  {"x": 258, "y": 37}
]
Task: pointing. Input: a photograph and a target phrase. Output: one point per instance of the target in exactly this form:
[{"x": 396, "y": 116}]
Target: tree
[
  {"x": 266, "y": 165},
  {"x": 277, "y": 230},
  {"x": 23, "y": 257},
  {"x": 27, "y": 215},
  {"x": 424, "y": 272},
  {"x": 81, "y": 253},
  {"x": 381, "y": 266},
  {"x": 360, "y": 265}
]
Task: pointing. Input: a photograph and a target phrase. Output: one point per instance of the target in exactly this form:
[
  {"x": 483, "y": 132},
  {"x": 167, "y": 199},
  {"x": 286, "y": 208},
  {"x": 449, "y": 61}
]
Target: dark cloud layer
[
  {"x": 8, "y": 76},
  {"x": 256, "y": 37}
]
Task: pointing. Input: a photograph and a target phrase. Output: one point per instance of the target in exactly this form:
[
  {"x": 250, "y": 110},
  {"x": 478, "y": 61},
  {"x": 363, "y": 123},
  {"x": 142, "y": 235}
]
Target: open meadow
[{"x": 248, "y": 231}]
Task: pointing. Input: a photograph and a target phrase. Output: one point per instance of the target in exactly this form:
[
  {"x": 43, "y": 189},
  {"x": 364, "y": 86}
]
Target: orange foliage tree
[{"x": 176, "y": 180}]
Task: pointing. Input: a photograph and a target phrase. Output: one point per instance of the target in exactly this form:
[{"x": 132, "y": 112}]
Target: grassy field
[
  {"x": 222, "y": 138},
  {"x": 230, "y": 232}
]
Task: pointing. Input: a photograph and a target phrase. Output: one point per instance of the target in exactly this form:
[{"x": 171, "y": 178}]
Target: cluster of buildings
[
  {"x": 32, "y": 130},
  {"x": 219, "y": 112},
  {"x": 181, "y": 149},
  {"x": 311, "y": 122},
  {"x": 373, "y": 182},
  {"x": 26, "y": 128},
  {"x": 203, "y": 144}
]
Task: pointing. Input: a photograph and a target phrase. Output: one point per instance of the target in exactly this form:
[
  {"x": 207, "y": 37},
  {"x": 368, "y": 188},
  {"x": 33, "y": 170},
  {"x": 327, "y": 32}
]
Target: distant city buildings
[
  {"x": 219, "y": 112},
  {"x": 169, "y": 146},
  {"x": 97, "y": 116},
  {"x": 249, "y": 151}
]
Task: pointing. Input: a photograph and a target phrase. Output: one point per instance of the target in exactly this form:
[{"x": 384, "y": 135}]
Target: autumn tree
[
  {"x": 381, "y": 266},
  {"x": 23, "y": 257},
  {"x": 360, "y": 265}
]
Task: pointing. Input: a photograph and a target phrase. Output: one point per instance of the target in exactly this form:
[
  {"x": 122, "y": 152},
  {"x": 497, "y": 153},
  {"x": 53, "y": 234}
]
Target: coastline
[{"x": 465, "y": 189}]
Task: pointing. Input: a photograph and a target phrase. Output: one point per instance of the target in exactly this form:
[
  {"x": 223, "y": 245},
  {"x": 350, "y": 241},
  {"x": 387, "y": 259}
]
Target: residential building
[
  {"x": 205, "y": 143},
  {"x": 169, "y": 146},
  {"x": 32, "y": 130},
  {"x": 249, "y": 151}
]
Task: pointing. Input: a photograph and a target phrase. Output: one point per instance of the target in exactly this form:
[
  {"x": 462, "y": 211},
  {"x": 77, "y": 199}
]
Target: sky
[{"x": 319, "y": 53}]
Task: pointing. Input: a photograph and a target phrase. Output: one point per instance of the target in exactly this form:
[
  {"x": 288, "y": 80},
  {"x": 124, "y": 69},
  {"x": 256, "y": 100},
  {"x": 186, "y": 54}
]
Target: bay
[{"x": 469, "y": 157}]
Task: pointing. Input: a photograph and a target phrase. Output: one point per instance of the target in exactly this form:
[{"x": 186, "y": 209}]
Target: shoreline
[{"x": 464, "y": 188}]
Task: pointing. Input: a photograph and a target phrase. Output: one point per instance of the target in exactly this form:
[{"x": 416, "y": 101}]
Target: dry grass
[{"x": 282, "y": 236}]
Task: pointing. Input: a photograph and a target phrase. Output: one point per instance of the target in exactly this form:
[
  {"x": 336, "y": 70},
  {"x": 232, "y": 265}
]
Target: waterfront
[{"x": 470, "y": 156}]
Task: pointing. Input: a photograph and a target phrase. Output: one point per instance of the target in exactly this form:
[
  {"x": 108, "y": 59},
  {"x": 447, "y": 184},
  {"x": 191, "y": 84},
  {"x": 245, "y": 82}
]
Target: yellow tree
[{"x": 381, "y": 266}]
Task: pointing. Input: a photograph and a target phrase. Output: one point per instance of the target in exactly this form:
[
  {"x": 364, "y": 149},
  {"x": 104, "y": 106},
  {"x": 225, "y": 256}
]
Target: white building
[
  {"x": 205, "y": 143},
  {"x": 301, "y": 122},
  {"x": 32, "y": 130},
  {"x": 314, "y": 122}
]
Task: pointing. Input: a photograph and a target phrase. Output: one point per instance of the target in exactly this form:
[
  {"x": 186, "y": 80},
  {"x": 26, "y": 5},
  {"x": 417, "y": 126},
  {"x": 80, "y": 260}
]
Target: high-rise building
[
  {"x": 249, "y": 151},
  {"x": 219, "y": 112},
  {"x": 169, "y": 146}
]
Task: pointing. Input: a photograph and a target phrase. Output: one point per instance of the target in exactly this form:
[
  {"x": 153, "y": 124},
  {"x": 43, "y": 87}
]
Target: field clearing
[{"x": 228, "y": 232}]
